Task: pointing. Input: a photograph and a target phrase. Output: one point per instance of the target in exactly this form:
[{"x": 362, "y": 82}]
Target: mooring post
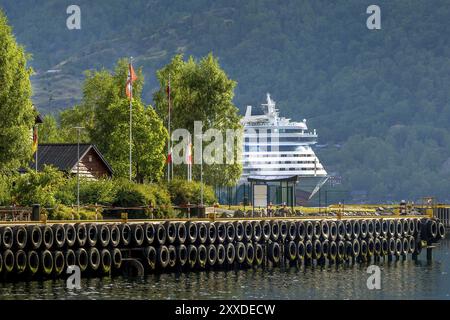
[
  {"x": 36, "y": 212},
  {"x": 429, "y": 254}
]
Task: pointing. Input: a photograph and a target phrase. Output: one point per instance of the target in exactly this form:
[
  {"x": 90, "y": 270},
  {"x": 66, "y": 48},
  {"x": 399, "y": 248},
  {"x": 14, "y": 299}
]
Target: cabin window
[{"x": 90, "y": 158}]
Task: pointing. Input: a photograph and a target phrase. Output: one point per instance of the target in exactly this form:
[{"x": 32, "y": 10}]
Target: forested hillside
[{"x": 379, "y": 99}]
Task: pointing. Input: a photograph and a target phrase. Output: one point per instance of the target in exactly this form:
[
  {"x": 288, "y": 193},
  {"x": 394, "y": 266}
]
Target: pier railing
[{"x": 15, "y": 213}]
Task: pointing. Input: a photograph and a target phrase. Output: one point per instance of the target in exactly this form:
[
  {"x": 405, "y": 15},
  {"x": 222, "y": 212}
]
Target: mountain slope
[{"x": 379, "y": 99}]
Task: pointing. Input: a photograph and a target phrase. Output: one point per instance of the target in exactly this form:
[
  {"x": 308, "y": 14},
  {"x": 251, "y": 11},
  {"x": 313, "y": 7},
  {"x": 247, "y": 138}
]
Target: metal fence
[
  {"x": 15, "y": 213},
  {"x": 443, "y": 214}
]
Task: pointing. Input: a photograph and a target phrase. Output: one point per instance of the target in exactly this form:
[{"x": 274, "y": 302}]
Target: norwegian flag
[
  {"x": 189, "y": 153},
  {"x": 169, "y": 156},
  {"x": 130, "y": 80}
]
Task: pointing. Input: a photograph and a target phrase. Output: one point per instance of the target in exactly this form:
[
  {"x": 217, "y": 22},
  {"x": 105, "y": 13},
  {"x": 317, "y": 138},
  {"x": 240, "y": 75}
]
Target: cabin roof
[{"x": 63, "y": 156}]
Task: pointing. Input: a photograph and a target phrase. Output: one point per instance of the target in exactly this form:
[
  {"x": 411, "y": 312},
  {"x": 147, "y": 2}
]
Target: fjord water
[{"x": 399, "y": 280}]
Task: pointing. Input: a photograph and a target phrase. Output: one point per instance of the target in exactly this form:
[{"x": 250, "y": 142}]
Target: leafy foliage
[
  {"x": 41, "y": 187},
  {"x": 201, "y": 91},
  {"x": 17, "y": 113},
  {"x": 378, "y": 99},
  {"x": 183, "y": 192},
  {"x": 104, "y": 112}
]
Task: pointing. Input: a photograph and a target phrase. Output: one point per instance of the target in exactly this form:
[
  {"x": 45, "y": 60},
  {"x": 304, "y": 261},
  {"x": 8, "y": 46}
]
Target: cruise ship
[{"x": 276, "y": 147}]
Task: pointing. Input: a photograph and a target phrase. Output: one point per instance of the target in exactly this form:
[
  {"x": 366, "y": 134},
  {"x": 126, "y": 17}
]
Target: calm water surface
[{"x": 400, "y": 280}]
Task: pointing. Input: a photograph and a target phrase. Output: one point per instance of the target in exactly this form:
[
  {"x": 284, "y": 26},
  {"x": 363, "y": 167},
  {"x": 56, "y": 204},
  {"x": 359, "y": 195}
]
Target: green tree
[
  {"x": 201, "y": 91},
  {"x": 104, "y": 112},
  {"x": 51, "y": 132},
  {"x": 16, "y": 110}
]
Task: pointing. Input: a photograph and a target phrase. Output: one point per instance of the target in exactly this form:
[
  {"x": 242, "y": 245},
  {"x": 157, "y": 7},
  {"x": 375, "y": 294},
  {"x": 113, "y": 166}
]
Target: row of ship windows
[
  {"x": 269, "y": 148},
  {"x": 283, "y": 162},
  {"x": 297, "y": 155},
  {"x": 281, "y": 169},
  {"x": 285, "y": 130},
  {"x": 280, "y": 139}
]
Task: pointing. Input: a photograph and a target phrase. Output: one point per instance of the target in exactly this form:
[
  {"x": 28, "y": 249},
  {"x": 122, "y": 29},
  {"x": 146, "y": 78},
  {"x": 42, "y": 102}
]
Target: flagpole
[
  {"x": 169, "y": 150},
  {"x": 131, "y": 115},
  {"x": 37, "y": 146}
]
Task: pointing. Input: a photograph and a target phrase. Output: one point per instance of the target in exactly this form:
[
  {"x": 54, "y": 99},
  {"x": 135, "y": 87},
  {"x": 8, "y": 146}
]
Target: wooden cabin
[{"x": 63, "y": 156}]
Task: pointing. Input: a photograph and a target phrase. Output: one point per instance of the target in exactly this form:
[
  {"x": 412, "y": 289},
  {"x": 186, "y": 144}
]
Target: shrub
[
  {"x": 5, "y": 190},
  {"x": 183, "y": 191},
  {"x": 102, "y": 191},
  {"x": 40, "y": 187},
  {"x": 62, "y": 212},
  {"x": 129, "y": 195}
]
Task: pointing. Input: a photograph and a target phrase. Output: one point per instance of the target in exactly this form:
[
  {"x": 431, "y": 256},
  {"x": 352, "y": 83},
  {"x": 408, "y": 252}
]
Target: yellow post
[{"x": 124, "y": 217}]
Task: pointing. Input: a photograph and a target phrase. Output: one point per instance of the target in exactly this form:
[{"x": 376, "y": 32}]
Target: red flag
[
  {"x": 35, "y": 139},
  {"x": 169, "y": 156},
  {"x": 189, "y": 153},
  {"x": 130, "y": 80}
]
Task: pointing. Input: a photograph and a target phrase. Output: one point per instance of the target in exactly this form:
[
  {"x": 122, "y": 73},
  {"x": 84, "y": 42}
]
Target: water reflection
[{"x": 400, "y": 280}]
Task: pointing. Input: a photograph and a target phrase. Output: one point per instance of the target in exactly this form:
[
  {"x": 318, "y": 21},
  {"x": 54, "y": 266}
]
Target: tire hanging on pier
[
  {"x": 202, "y": 255},
  {"x": 150, "y": 255},
  {"x": 58, "y": 262},
  {"x": 20, "y": 237},
  {"x": 309, "y": 230},
  {"x": 181, "y": 233},
  {"x": 182, "y": 254},
  {"x": 149, "y": 233},
  {"x": 274, "y": 252},
  {"x": 301, "y": 230},
  {"x": 46, "y": 262},
  {"x": 230, "y": 253},
  {"x": 172, "y": 256},
  {"x": 266, "y": 230},
  {"x": 221, "y": 254},
  {"x": 333, "y": 230},
  {"x": 80, "y": 232},
  {"x": 116, "y": 256},
  {"x": 291, "y": 250},
  {"x": 35, "y": 237},
  {"x": 71, "y": 235},
  {"x": 257, "y": 231},
  {"x": 59, "y": 235},
  {"x": 105, "y": 261},
  {"x": 249, "y": 253},
  {"x": 114, "y": 233},
  {"x": 230, "y": 231},
  {"x": 161, "y": 234},
  {"x": 82, "y": 259},
  {"x": 171, "y": 232},
  {"x": 104, "y": 235},
  {"x": 92, "y": 234},
  {"x": 163, "y": 256},
  {"x": 192, "y": 255},
  {"x": 32, "y": 262},
  {"x": 221, "y": 232},
  {"x": 240, "y": 252},
  {"x": 248, "y": 231},
  {"x": 138, "y": 235},
  {"x": 125, "y": 234},
  {"x": 8, "y": 261},
  {"x": 94, "y": 258},
  {"x": 20, "y": 261},
  {"x": 191, "y": 230},
  {"x": 70, "y": 258},
  {"x": 202, "y": 234},
  {"x": 212, "y": 233},
  {"x": 7, "y": 237},
  {"x": 259, "y": 254},
  {"x": 211, "y": 254},
  {"x": 47, "y": 237},
  {"x": 292, "y": 230}
]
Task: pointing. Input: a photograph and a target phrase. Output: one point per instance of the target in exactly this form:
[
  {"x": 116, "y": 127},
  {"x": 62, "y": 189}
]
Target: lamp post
[{"x": 78, "y": 167}]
